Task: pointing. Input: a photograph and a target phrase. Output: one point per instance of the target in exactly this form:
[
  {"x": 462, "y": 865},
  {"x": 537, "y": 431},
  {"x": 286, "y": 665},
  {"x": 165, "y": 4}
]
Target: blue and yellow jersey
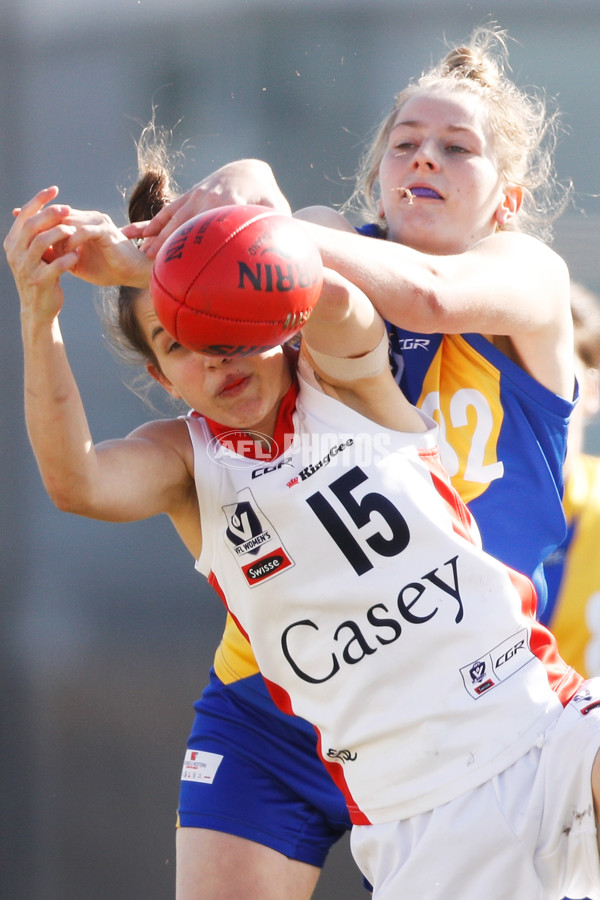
[
  {"x": 502, "y": 438},
  {"x": 573, "y": 572}
]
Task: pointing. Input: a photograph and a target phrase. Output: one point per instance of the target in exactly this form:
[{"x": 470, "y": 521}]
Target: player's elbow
[
  {"x": 432, "y": 302},
  {"x": 431, "y": 308},
  {"x": 69, "y": 497},
  {"x": 421, "y": 309}
]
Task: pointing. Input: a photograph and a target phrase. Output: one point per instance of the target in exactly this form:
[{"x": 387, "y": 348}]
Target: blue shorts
[{"x": 270, "y": 785}]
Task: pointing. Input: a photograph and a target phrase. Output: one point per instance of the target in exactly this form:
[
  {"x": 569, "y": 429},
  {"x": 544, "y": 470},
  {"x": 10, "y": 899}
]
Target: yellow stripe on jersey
[
  {"x": 234, "y": 658},
  {"x": 470, "y": 418}
]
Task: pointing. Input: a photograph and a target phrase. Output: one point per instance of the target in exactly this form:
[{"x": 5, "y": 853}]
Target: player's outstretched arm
[
  {"x": 109, "y": 483},
  {"x": 246, "y": 181},
  {"x": 324, "y": 215},
  {"x": 345, "y": 342},
  {"x": 344, "y": 322},
  {"x": 508, "y": 284},
  {"x": 104, "y": 255}
]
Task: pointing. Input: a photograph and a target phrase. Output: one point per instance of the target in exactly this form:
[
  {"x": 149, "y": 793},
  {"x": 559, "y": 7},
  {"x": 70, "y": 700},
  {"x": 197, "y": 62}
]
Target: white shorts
[{"x": 528, "y": 834}]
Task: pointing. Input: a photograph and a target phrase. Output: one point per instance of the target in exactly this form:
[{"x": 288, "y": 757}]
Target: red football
[{"x": 236, "y": 280}]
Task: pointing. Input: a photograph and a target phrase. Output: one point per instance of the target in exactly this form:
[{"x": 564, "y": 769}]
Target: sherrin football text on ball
[{"x": 236, "y": 280}]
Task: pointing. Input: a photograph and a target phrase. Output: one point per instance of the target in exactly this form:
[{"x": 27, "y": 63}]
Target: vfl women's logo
[
  {"x": 478, "y": 672},
  {"x": 245, "y": 530},
  {"x": 250, "y": 533}
]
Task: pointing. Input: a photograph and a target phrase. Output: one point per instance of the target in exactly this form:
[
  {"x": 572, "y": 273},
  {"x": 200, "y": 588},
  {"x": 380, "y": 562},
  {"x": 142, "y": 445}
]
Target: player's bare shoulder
[
  {"x": 168, "y": 436},
  {"x": 518, "y": 245}
]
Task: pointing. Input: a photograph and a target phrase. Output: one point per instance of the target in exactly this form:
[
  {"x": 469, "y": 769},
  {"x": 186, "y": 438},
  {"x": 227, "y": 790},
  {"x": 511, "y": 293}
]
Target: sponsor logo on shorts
[
  {"x": 498, "y": 664},
  {"x": 201, "y": 766}
]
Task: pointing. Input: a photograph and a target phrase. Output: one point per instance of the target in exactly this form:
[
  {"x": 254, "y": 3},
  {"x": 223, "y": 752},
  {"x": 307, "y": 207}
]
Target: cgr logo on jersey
[
  {"x": 248, "y": 533},
  {"x": 412, "y": 343},
  {"x": 497, "y": 665},
  {"x": 265, "y": 470}
]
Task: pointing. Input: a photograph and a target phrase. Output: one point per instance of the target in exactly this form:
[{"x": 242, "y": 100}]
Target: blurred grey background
[{"x": 107, "y": 634}]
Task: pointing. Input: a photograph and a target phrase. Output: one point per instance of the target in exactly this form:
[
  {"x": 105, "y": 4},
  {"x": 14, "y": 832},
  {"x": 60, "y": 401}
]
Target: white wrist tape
[{"x": 351, "y": 368}]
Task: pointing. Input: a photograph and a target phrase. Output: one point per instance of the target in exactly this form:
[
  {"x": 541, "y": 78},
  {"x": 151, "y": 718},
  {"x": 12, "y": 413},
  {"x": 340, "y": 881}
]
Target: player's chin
[{"x": 251, "y": 411}]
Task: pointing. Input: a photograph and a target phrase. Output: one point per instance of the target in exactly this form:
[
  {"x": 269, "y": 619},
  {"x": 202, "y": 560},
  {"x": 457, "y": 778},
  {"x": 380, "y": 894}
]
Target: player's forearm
[
  {"x": 398, "y": 281},
  {"x": 506, "y": 284},
  {"x": 344, "y": 322},
  {"x": 56, "y": 421}
]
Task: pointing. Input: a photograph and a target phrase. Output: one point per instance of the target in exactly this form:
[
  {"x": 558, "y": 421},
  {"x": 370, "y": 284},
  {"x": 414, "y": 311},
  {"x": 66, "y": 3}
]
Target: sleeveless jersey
[
  {"x": 502, "y": 440},
  {"x": 573, "y": 572},
  {"x": 357, "y": 574}
]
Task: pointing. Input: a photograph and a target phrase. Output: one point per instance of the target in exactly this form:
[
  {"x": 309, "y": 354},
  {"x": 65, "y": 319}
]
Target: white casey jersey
[{"x": 357, "y": 574}]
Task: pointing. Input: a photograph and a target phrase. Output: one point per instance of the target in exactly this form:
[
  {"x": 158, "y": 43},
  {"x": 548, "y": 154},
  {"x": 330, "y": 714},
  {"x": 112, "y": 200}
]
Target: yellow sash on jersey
[
  {"x": 469, "y": 418},
  {"x": 234, "y": 658}
]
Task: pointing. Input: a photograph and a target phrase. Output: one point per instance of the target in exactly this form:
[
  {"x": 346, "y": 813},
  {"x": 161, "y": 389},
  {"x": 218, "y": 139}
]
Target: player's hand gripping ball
[{"x": 236, "y": 280}]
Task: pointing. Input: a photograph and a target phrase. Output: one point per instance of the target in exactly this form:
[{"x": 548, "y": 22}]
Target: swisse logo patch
[{"x": 266, "y": 566}]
